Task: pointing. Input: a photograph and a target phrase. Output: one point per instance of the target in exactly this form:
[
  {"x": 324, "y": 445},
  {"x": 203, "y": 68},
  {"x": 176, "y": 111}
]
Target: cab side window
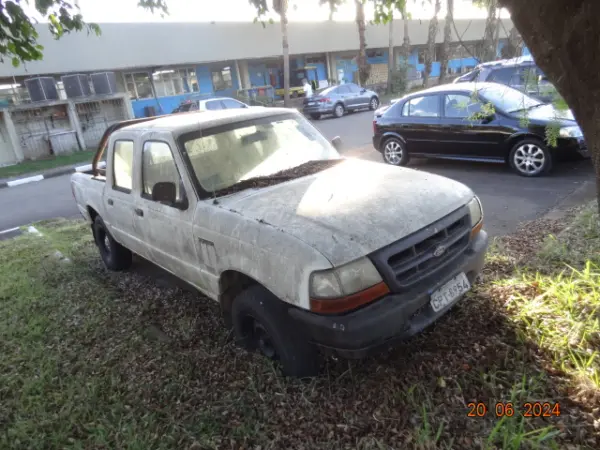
[
  {"x": 158, "y": 165},
  {"x": 123, "y": 166},
  {"x": 427, "y": 106}
]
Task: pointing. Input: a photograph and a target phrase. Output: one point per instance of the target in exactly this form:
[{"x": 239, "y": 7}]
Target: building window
[
  {"x": 221, "y": 79},
  {"x": 374, "y": 53},
  {"x": 166, "y": 82},
  {"x": 421, "y": 55}
]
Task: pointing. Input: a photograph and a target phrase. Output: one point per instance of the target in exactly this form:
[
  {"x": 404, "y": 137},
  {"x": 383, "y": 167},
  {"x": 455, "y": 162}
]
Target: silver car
[
  {"x": 338, "y": 100},
  {"x": 210, "y": 104}
]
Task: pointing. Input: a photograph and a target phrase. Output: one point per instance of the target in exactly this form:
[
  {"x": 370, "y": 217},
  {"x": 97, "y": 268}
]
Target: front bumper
[
  {"x": 568, "y": 147},
  {"x": 392, "y": 318}
]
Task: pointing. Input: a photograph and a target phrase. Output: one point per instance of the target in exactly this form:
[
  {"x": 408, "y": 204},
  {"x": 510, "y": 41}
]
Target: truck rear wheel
[
  {"x": 114, "y": 255},
  {"x": 261, "y": 322}
]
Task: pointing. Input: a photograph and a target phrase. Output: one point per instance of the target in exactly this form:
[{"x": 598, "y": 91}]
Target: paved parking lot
[{"x": 508, "y": 199}]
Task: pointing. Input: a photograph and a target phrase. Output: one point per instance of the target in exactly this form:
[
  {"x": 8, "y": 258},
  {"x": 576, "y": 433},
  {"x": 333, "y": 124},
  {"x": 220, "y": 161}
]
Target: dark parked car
[
  {"x": 338, "y": 100},
  {"x": 520, "y": 73},
  {"x": 455, "y": 121}
]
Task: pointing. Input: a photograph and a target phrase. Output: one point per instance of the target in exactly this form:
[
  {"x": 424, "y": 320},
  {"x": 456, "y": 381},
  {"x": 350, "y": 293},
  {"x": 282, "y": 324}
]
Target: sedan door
[
  {"x": 466, "y": 133},
  {"x": 357, "y": 99},
  {"x": 419, "y": 124},
  {"x": 343, "y": 94}
]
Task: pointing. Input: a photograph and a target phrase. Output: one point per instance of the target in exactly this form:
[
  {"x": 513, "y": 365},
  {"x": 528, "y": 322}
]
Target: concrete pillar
[
  {"x": 13, "y": 137},
  {"x": 237, "y": 74},
  {"x": 328, "y": 64},
  {"x": 75, "y": 124},
  {"x": 244, "y": 74},
  {"x": 127, "y": 107}
]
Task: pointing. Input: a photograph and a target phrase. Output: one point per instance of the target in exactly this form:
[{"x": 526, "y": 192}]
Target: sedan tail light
[{"x": 324, "y": 100}]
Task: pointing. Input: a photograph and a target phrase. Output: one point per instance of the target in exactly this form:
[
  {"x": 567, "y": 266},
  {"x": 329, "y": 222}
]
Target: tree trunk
[
  {"x": 563, "y": 37},
  {"x": 512, "y": 48},
  {"x": 429, "y": 53},
  {"x": 446, "y": 44},
  {"x": 490, "y": 35},
  {"x": 286, "y": 54},
  {"x": 406, "y": 38},
  {"x": 391, "y": 65},
  {"x": 363, "y": 66}
]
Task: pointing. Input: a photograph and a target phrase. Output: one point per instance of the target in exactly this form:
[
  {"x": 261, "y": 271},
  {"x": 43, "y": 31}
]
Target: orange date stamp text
[{"x": 509, "y": 409}]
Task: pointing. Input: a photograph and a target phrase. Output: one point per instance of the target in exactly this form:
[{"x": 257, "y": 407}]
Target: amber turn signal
[
  {"x": 476, "y": 229},
  {"x": 344, "y": 304}
]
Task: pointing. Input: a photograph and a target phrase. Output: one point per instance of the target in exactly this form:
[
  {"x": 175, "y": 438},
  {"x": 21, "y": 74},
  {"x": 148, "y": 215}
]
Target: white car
[
  {"x": 301, "y": 248},
  {"x": 211, "y": 104}
]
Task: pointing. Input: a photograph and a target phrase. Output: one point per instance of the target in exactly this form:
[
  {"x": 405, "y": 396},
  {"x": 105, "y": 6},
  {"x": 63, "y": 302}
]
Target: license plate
[
  {"x": 311, "y": 103},
  {"x": 449, "y": 292}
]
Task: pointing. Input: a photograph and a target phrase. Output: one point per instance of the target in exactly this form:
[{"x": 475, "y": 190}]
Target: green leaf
[{"x": 15, "y": 61}]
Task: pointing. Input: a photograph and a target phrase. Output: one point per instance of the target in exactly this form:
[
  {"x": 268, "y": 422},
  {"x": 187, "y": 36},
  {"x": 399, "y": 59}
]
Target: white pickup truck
[{"x": 303, "y": 249}]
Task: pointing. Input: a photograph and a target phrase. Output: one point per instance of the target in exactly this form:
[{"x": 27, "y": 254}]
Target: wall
[{"x": 147, "y": 46}]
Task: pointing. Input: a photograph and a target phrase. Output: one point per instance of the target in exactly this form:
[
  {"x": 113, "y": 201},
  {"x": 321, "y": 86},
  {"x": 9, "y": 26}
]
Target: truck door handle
[
  {"x": 139, "y": 212},
  {"x": 110, "y": 201}
]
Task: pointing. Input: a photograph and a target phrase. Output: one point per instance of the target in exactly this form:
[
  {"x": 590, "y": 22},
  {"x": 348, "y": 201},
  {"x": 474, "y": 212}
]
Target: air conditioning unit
[
  {"x": 42, "y": 89},
  {"x": 76, "y": 85},
  {"x": 104, "y": 83}
]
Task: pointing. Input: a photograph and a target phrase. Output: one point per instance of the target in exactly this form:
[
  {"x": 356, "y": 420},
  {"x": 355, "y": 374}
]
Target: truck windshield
[{"x": 225, "y": 156}]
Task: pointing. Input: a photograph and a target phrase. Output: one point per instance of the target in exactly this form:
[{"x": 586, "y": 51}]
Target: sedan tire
[
  {"x": 315, "y": 116},
  {"x": 339, "y": 110},
  {"x": 394, "y": 152},
  {"x": 374, "y": 103},
  {"x": 530, "y": 158}
]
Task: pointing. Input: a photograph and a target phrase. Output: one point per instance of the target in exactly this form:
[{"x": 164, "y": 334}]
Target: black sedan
[{"x": 479, "y": 122}]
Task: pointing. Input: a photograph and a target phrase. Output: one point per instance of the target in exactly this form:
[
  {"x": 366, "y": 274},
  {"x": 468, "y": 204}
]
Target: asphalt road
[{"x": 507, "y": 198}]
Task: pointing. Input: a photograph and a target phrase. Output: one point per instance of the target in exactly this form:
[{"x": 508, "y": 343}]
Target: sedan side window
[
  {"x": 428, "y": 106},
  {"x": 460, "y": 105},
  {"x": 343, "y": 90},
  {"x": 233, "y": 104},
  {"x": 158, "y": 165},
  {"x": 214, "y": 105},
  {"x": 354, "y": 89}
]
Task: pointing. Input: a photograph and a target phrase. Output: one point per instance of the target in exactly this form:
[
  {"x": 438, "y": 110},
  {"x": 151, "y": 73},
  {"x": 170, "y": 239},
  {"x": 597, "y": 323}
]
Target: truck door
[
  {"x": 119, "y": 204},
  {"x": 167, "y": 228}
]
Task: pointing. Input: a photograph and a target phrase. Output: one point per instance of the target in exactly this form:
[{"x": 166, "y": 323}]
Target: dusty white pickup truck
[{"x": 303, "y": 249}]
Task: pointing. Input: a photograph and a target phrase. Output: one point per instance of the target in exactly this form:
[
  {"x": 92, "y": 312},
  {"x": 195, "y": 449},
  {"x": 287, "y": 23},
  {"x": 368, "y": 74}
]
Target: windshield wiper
[{"x": 307, "y": 168}]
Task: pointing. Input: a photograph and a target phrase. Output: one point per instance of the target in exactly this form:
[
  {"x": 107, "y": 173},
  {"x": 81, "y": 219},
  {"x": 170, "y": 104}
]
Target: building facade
[{"x": 159, "y": 65}]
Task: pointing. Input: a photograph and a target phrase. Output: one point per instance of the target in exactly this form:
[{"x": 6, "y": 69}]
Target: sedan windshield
[
  {"x": 254, "y": 149},
  {"x": 508, "y": 99}
]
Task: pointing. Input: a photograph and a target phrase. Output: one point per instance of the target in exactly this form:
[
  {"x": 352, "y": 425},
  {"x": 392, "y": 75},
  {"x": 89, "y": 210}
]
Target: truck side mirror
[
  {"x": 164, "y": 192},
  {"x": 337, "y": 143}
]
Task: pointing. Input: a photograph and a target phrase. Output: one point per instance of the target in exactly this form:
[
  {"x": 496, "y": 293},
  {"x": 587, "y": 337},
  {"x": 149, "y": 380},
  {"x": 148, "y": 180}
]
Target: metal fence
[
  {"x": 34, "y": 127},
  {"x": 96, "y": 116}
]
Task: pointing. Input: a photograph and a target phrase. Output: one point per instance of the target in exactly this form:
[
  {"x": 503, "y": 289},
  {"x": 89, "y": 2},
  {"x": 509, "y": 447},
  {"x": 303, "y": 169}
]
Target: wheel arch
[
  {"x": 390, "y": 134},
  {"x": 516, "y": 138},
  {"x": 231, "y": 283}
]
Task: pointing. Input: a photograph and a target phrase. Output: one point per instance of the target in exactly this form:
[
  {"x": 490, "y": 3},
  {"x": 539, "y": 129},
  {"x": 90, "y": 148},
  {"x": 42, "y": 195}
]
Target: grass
[
  {"x": 44, "y": 164},
  {"x": 92, "y": 359}
]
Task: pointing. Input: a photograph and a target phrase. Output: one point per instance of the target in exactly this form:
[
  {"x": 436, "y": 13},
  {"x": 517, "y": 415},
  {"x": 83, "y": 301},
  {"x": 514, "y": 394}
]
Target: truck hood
[{"x": 353, "y": 208}]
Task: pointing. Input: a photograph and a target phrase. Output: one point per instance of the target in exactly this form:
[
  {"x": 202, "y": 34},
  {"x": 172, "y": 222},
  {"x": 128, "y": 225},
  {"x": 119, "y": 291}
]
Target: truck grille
[{"x": 412, "y": 259}]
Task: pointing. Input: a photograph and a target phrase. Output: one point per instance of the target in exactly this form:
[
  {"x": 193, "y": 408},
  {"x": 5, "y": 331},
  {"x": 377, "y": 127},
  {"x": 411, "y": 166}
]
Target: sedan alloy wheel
[
  {"x": 530, "y": 159},
  {"x": 393, "y": 152}
]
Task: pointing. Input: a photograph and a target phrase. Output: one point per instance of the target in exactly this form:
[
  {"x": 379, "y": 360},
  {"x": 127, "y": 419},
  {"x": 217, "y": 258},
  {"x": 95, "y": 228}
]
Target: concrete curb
[{"x": 48, "y": 174}]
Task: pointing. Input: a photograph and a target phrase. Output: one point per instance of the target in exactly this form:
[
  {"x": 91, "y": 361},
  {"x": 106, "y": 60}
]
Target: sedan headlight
[
  {"x": 570, "y": 132},
  {"x": 346, "y": 287}
]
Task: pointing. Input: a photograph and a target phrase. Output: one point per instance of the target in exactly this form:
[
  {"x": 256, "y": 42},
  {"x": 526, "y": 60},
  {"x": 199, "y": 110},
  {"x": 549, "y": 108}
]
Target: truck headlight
[
  {"x": 346, "y": 287},
  {"x": 570, "y": 132},
  {"x": 476, "y": 213}
]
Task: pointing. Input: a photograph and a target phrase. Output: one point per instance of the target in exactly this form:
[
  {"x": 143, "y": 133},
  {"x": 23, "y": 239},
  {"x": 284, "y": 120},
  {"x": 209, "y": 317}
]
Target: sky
[{"x": 240, "y": 10}]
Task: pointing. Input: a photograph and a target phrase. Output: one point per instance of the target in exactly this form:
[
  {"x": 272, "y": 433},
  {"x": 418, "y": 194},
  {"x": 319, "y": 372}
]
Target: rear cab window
[{"x": 123, "y": 165}]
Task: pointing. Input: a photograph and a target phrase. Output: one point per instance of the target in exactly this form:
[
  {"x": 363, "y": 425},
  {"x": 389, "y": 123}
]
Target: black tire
[
  {"x": 315, "y": 116},
  {"x": 261, "y": 322},
  {"x": 530, "y": 158},
  {"x": 391, "y": 145},
  {"x": 373, "y": 103},
  {"x": 114, "y": 255},
  {"x": 338, "y": 110}
]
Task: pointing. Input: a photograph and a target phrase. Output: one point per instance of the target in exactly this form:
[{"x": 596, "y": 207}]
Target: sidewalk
[{"x": 41, "y": 175}]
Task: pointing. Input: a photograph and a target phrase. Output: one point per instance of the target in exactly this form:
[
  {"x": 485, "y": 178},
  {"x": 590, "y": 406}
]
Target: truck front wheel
[
  {"x": 114, "y": 255},
  {"x": 261, "y": 322}
]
